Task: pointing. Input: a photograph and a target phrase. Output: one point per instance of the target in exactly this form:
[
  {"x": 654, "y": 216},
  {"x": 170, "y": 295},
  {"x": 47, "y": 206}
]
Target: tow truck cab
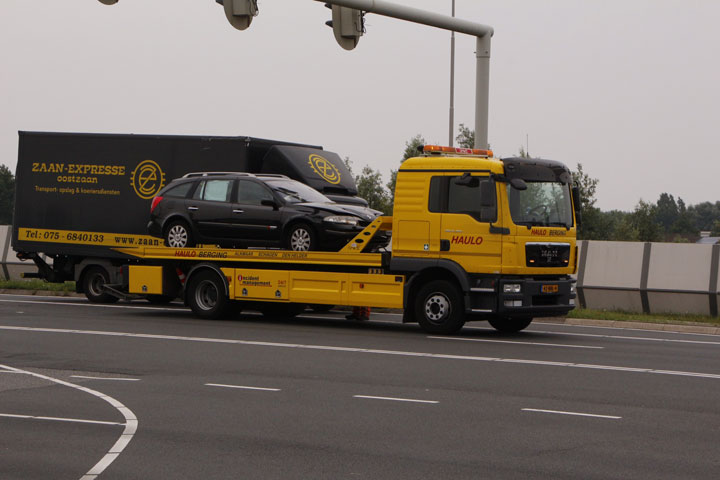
[{"x": 502, "y": 230}]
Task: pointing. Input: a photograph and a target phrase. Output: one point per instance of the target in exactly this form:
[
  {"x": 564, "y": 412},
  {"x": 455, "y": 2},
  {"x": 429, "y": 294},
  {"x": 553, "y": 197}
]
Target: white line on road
[
  {"x": 57, "y": 419},
  {"x": 559, "y": 412},
  {"x": 515, "y": 342},
  {"x": 396, "y": 399},
  {"x": 243, "y": 387},
  {"x": 131, "y": 422},
  {"x": 626, "y": 337},
  {"x": 96, "y": 305},
  {"x": 107, "y": 378},
  {"x": 373, "y": 351}
]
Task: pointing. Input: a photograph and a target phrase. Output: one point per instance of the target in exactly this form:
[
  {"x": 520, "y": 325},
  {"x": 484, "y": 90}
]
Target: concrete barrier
[{"x": 649, "y": 277}]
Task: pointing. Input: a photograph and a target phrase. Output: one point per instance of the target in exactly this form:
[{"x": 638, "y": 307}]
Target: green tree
[
  {"x": 370, "y": 187},
  {"x": 591, "y": 226},
  {"x": 412, "y": 149},
  {"x": 7, "y": 195},
  {"x": 465, "y": 137},
  {"x": 644, "y": 220},
  {"x": 667, "y": 211},
  {"x": 715, "y": 232}
]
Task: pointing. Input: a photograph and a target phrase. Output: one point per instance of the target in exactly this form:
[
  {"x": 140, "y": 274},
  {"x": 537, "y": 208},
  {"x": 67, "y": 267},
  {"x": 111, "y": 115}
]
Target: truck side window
[
  {"x": 252, "y": 193},
  {"x": 447, "y": 196},
  {"x": 216, "y": 190}
]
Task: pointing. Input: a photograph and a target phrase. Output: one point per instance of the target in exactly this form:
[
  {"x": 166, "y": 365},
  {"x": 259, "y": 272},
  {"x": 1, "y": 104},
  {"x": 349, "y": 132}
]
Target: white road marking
[
  {"x": 515, "y": 342},
  {"x": 412, "y": 400},
  {"x": 131, "y": 422},
  {"x": 559, "y": 412},
  {"x": 626, "y": 337},
  {"x": 57, "y": 419},
  {"x": 362, "y": 350},
  {"x": 242, "y": 387},
  {"x": 96, "y": 305},
  {"x": 107, "y": 378}
]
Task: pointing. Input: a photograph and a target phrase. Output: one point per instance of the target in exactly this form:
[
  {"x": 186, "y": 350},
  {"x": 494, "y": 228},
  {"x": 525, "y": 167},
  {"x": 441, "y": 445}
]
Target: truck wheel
[
  {"x": 439, "y": 308},
  {"x": 301, "y": 238},
  {"x": 94, "y": 279},
  {"x": 510, "y": 325},
  {"x": 206, "y": 295},
  {"x": 282, "y": 309},
  {"x": 177, "y": 235}
]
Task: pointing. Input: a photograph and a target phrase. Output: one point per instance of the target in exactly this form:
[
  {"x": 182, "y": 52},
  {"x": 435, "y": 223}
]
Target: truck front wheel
[
  {"x": 94, "y": 279},
  {"x": 439, "y": 308},
  {"x": 206, "y": 295},
  {"x": 510, "y": 325}
]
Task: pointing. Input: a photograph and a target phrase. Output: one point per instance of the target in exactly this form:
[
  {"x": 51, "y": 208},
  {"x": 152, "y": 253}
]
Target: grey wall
[
  {"x": 649, "y": 277},
  {"x": 10, "y": 267}
]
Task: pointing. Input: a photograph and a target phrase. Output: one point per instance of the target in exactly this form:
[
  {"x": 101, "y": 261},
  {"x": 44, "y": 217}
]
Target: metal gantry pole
[
  {"x": 452, "y": 80},
  {"x": 482, "y": 32}
]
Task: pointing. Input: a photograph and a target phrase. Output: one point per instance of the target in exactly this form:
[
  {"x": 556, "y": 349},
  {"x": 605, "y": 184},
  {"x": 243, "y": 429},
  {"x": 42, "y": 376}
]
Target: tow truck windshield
[{"x": 541, "y": 204}]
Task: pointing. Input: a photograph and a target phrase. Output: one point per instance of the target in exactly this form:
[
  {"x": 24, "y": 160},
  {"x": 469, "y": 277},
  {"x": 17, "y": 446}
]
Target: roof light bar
[{"x": 457, "y": 150}]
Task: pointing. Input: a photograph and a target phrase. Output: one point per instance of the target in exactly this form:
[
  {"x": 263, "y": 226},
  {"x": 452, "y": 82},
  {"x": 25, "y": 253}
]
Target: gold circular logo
[
  {"x": 324, "y": 168},
  {"x": 147, "y": 179}
]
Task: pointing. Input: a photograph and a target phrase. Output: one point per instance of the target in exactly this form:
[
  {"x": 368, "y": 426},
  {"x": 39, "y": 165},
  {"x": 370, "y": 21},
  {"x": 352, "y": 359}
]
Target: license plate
[{"x": 549, "y": 289}]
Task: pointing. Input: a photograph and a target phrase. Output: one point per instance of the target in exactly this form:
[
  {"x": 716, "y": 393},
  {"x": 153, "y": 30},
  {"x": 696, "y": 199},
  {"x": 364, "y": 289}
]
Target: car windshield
[
  {"x": 542, "y": 203},
  {"x": 296, "y": 192}
]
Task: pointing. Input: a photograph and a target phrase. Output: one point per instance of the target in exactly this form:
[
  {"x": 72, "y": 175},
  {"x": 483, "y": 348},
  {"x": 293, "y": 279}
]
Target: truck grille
[{"x": 547, "y": 254}]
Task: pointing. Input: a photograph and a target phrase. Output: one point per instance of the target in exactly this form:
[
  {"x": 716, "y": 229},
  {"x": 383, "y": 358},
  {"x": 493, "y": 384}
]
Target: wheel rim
[
  {"x": 206, "y": 295},
  {"x": 96, "y": 284},
  {"x": 437, "y": 308},
  {"x": 300, "y": 240},
  {"x": 177, "y": 236}
]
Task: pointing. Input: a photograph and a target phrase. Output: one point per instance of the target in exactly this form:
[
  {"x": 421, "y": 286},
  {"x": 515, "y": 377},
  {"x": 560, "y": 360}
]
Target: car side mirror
[
  {"x": 269, "y": 203},
  {"x": 518, "y": 184}
]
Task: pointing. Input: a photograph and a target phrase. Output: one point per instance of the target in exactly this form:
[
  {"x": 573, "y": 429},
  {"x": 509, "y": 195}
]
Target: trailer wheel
[
  {"x": 510, "y": 325},
  {"x": 439, "y": 307},
  {"x": 178, "y": 235},
  {"x": 301, "y": 238},
  {"x": 94, "y": 279},
  {"x": 282, "y": 309},
  {"x": 206, "y": 295}
]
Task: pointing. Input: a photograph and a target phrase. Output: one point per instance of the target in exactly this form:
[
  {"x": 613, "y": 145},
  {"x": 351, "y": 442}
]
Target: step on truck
[{"x": 473, "y": 238}]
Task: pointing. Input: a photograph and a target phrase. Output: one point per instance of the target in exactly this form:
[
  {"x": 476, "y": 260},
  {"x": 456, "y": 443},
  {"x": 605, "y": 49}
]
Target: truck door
[{"x": 469, "y": 222}]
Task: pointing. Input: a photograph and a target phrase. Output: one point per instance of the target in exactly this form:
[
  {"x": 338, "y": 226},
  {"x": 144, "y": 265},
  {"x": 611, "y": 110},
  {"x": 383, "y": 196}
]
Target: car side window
[
  {"x": 214, "y": 190},
  {"x": 452, "y": 195},
  {"x": 180, "y": 191},
  {"x": 252, "y": 193}
]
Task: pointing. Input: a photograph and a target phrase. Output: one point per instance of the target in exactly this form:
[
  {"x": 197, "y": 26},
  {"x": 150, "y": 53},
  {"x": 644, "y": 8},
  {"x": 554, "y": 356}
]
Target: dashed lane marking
[
  {"x": 412, "y": 400},
  {"x": 107, "y": 378},
  {"x": 242, "y": 387},
  {"x": 576, "y": 414},
  {"x": 58, "y": 419},
  {"x": 515, "y": 342},
  {"x": 373, "y": 351}
]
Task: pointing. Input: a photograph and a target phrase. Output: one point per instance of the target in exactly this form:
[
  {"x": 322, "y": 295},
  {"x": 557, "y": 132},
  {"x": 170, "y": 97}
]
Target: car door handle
[
  {"x": 192, "y": 209},
  {"x": 237, "y": 210}
]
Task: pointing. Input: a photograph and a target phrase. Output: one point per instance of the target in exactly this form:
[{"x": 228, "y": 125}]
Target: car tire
[
  {"x": 510, "y": 325},
  {"x": 439, "y": 307},
  {"x": 301, "y": 238},
  {"x": 178, "y": 235},
  {"x": 93, "y": 281}
]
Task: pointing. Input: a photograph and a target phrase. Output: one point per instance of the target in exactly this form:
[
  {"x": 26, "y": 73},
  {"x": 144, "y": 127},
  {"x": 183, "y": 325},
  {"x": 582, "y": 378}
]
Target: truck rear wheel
[
  {"x": 94, "y": 279},
  {"x": 510, "y": 325},
  {"x": 206, "y": 295},
  {"x": 439, "y": 308}
]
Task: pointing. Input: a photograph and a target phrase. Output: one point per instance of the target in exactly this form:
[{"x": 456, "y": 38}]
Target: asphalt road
[{"x": 132, "y": 391}]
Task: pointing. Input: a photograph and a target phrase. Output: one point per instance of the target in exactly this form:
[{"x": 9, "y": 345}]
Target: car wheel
[
  {"x": 177, "y": 235},
  {"x": 510, "y": 325},
  {"x": 439, "y": 308},
  {"x": 94, "y": 280},
  {"x": 301, "y": 238}
]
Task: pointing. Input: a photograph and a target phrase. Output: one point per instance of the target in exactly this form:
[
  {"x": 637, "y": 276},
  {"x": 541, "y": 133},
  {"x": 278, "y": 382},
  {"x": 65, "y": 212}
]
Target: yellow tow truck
[{"x": 473, "y": 238}]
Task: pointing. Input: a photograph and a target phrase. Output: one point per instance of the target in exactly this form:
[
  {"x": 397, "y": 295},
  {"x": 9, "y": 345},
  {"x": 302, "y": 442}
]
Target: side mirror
[
  {"x": 577, "y": 204},
  {"x": 487, "y": 194},
  {"x": 269, "y": 203},
  {"x": 518, "y": 184},
  {"x": 467, "y": 180}
]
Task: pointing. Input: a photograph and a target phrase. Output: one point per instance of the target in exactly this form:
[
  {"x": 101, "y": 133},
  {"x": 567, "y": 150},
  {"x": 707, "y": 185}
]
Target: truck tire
[
  {"x": 510, "y": 325},
  {"x": 301, "y": 238},
  {"x": 94, "y": 278},
  {"x": 206, "y": 295},
  {"x": 439, "y": 308},
  {"x": 280, "y": 310},
  {"x": 178, "y": 235}
]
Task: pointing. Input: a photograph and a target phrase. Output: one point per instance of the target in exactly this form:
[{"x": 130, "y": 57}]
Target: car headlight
[{"x": 342, "y": 220}]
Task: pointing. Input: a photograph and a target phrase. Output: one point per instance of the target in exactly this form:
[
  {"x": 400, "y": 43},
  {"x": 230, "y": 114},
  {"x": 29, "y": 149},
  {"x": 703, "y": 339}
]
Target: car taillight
[{"x": 155, "y": 203}]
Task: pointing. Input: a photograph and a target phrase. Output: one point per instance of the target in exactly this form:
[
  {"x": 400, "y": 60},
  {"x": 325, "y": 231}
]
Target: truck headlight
[
  {"x": 342, "y": 220},
  {"x": 512, "y": 288}
]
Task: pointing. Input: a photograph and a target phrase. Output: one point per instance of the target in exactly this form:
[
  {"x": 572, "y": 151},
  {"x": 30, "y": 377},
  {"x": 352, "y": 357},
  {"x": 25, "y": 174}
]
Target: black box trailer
[{"x": 80, "y": 195}]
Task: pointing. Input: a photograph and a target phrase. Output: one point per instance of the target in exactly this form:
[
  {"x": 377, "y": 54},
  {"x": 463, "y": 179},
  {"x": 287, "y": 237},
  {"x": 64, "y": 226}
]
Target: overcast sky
[{"x": 628, "y": 88}]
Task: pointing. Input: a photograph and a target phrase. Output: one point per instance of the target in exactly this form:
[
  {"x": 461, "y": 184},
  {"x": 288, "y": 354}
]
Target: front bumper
[{"x": 535, "y": 298}]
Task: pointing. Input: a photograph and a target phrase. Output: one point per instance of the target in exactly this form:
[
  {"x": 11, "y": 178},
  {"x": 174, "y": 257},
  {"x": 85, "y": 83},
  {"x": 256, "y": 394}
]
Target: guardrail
[{"x": 649, "y": 277}]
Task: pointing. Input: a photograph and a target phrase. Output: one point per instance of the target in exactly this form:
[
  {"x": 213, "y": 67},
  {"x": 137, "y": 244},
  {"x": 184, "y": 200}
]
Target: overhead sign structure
[
  {"x": 348, "y": 25},
  {"x": 239, "y": 12}
]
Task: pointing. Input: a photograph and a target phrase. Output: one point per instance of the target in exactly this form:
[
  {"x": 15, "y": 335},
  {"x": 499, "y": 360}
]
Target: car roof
[{"x": 234, "y": 174}]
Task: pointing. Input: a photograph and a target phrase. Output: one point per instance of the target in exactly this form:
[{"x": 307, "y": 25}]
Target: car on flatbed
[{"x": 240, "y": 210}]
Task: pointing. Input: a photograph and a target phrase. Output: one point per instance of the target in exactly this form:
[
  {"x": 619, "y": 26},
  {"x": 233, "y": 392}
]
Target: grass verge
[
  {"x": 37, "y": 285},
  {"x": 669, "y": 318}
]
